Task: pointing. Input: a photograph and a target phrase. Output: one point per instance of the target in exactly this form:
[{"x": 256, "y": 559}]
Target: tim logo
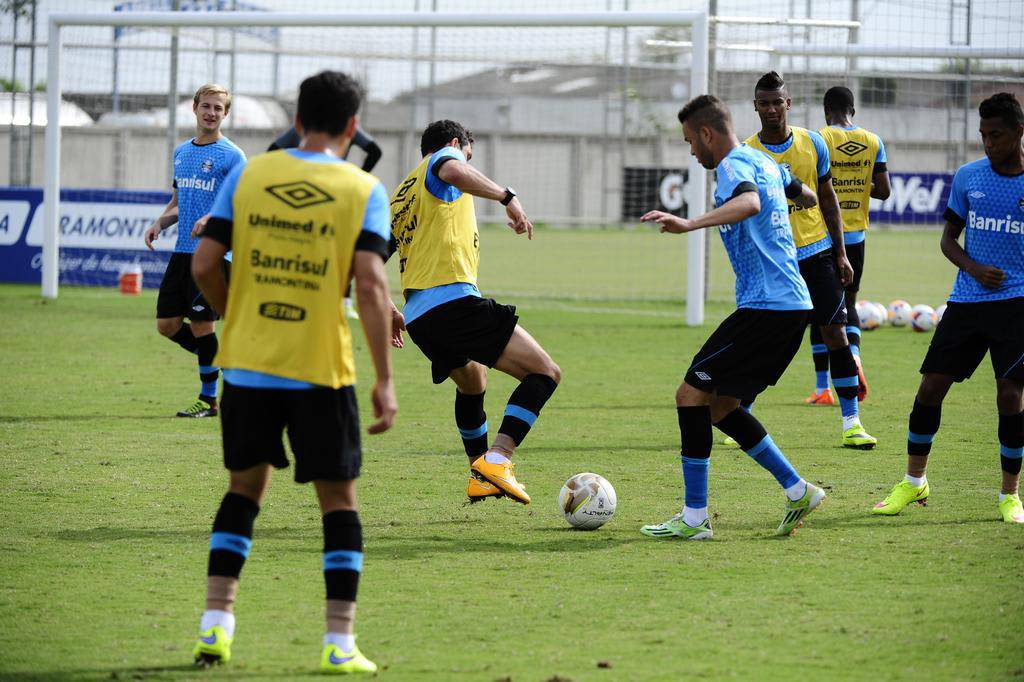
[
  {"x": 851, "y": 148},
  {"x": 849, "y": 205},
  {"x": 207, "y": 165},
  {"x": 285, "y": 312},
  {"x": 302, "y": 194}
]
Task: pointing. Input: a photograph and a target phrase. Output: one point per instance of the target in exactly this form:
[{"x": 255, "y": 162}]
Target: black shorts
[
  {"x": 179, "y": 296},
  {"x": 968, "y": 330},
  {"x": 855, "y": 254},
  {"x": 468, "y": 328},
  {"x": 827, "y": 295},
  {"x": 748, "y": 352},
  {"x": 322, "y": 423}
]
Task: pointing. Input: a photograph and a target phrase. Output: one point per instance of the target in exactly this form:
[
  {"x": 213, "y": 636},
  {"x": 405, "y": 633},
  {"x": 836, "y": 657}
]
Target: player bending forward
[
  {"x": 752, "y": 348},
  {"x": 433, "y": 226},
  {"x": 985, "y": 310}
]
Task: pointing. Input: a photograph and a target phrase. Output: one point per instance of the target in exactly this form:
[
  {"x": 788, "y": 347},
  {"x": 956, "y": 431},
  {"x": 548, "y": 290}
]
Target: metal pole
[
  {"x": 967, "y": 92},
  {"x": 51, "y": 190},
  {"x": 31, "y": 95},
  {"x": 13, "y": 135},
  {"x": 232, "y": 61},
  {"x": 433, "y": 66},
  {"x": 607, "y": 119},
  {"x": 172, "y": 102},
  {"x": 697, "y": 183},
  {"x": 624, "y": 114}
]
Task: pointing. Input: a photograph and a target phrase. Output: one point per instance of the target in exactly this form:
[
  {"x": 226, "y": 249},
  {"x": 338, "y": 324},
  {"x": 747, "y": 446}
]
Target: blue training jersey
[
  {"x": 990, "y": 206},
  {"x": 199, "y": 171},
  {"x": 761, "y": 247}
]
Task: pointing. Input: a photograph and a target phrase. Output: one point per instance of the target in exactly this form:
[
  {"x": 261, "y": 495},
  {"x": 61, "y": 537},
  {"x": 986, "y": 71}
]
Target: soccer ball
[
  {"x": 900, "y": 313},
  {"x": 939, "y": 312},
  {"x": 883, "y": 313},
  {"x": 868, "y": 314},
  {"x": 922, "y": 318},
  {"x": 587, "y": 501}
]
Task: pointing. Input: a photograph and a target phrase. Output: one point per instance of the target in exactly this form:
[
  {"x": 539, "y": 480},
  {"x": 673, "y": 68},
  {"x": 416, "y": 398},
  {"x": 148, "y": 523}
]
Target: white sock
[
  {"x": 495, "y": 457},
  {"x": 213, "y": 617},
  {"x": 917, "y": 482},
  {"x": 345, "y": 642},
  {"x": 850, "y": 422},
  {"x": 694, "y": 517},
  {"x": 797, "y": 490}
]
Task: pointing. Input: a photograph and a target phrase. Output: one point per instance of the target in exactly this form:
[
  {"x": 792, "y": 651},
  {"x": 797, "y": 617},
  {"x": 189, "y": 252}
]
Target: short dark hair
[
  {"x": 770, "y": 81},
  {"x": 838, "y": 100},
  {"x": 328, "y": 101},
  {"x": 707, "y": 110},
  {"x": 440, "y": 133},
  {"x": 1004, "y": 106}
]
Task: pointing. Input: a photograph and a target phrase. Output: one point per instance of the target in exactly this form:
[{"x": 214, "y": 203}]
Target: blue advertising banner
[
  {"x": 100, "y": 235},
  {"x": 916, "y": 198}
]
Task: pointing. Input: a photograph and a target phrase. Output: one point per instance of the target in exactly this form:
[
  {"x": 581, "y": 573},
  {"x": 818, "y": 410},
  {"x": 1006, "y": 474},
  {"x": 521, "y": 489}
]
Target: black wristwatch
[{"x": 510, "y": 194}]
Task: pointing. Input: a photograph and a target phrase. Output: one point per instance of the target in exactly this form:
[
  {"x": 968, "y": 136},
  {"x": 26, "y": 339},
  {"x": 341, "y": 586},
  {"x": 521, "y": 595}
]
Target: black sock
[
  {"x": 1011, "y": 442},
  {"x": 924, "y": 424},
  {"x": 343, "y": 554},
  {"x": 742, "y": 427},
  {"x": 184, "y": 338},
  {"x": 471, "y": 421},
  {"x": 206, "y": 348},
  {"x": 844, "y": 372},
  {"x": 525, "y": 405},
  {"x": 231, "y": 539}
]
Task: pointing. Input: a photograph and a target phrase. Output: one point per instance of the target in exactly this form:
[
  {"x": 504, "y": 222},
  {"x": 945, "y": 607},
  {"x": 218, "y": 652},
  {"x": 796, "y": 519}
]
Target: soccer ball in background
[
  {"x": 922, "y": 318},
  {"x": 868, "y": 314},
  {"x": 939, "y": 312},
  {"x": 900, "y": 313},
  {"x": 883, "y": 313},
  {"x": 587, "y": 501}
]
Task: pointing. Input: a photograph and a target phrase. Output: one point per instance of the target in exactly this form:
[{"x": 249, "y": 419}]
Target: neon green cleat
[
  {"x": 337, "y": 661},
  {"x": 730, "y": 442},
  {"x": 213, "y": 646},
  {"x": 1011, "y": 509},
  {"x": 677, "y": 528},
  {"x": 902, "y": 494},
  {"x": 857, "y": 437},
  {"x": 798, "y": 509},
  {"x": 199, "y": 409}
]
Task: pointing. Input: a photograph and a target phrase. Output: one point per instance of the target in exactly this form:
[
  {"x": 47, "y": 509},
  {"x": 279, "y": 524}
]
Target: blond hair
[{"x": 213, "y": 89}]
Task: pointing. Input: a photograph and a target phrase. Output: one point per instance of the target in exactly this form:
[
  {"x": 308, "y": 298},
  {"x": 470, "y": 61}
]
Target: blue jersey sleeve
[
  {"x": 378, "y": 213},
  {"x": 880, "y": 157},
  {"x": 824, "y": 162},
  {"x": 787, "y": 177},
  {"x": 223, "y": 205},
  {"x": 958, "y": 203},
  {"x": 732, "y": 172},
  {"x": 435, "y": 185}
]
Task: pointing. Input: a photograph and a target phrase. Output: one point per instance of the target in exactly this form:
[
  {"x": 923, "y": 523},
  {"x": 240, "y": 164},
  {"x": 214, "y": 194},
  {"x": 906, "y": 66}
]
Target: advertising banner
[
  {"x": 916, "y": 198},
  {"x": 100, "y": 235}
]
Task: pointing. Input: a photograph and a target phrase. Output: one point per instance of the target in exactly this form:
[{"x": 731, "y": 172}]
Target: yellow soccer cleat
[
  {"x": 902, "y": 494},
  {"x": 501, "y": 476},
  {"x": 1011, "y": 509},
  {"x": 213, "y": 646},
  {"x": 479, "y": 489},
  {"x": 856, "y": 437},
  {"x": 339, "y": 662}
]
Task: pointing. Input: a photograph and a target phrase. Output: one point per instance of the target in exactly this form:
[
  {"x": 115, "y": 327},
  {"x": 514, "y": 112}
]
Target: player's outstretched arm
[
  {"x": 208, "y": 272},
  {"x": 375, "y": 313},
  {"x": 468, "y": 179},
  {"x": 740, "y": 207},
  {"x": 987, "y": 275},
  {"x": 166, "y": 219}
]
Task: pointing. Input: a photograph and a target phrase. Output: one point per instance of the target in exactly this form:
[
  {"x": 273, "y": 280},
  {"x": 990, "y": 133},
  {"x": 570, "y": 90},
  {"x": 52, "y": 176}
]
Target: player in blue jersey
[
  {"x": 200, "y": 166},
  {"x": 752, "y": 348},
  {"x": 985, "y": 310}
]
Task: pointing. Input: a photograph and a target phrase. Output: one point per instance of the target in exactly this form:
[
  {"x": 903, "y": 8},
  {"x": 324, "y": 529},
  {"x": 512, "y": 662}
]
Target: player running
[
  {"x": 985, "y": 310},
  {"x": 818, "y": 233},
  {"x": 752, "y": 348},
  {"x": 859, "y": 173},
  {"x": 200, "y": 167},
  {"x": 301, "y": 222},
  {"x": 434, "y": 229}
]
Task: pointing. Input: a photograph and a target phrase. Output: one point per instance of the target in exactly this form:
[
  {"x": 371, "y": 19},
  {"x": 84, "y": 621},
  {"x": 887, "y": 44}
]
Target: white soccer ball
[
  {"x": 883, "y": 312},
  {"x": 868, "y": 314},
  {"x": 922, "y": 318},
  {"x": 587, "y": 501},
  {"x": 899, "y": 313},
  {"x": 939, "y": 312}
]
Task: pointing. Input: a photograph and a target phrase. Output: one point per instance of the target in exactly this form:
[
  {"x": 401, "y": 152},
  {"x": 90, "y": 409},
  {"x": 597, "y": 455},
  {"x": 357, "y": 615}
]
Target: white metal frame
[{"x": 696, "y": 187}]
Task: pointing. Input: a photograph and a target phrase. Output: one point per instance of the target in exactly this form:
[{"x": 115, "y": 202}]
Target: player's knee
[
  {"x": 553, "y": 371},
  {"x": 932, "y": 390},
  {"x": 168, "y": 326},
  {"x": 202, "y": 329},
  {"x": 834, "y": 336},
  {"x": 1008, "y": 397}
]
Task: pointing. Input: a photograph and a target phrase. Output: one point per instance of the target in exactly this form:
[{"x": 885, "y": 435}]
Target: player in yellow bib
[
  {"x": 818, "y": 233},
  {"x": 434, "y": 229},
  {"x": 859, "y": 173}
]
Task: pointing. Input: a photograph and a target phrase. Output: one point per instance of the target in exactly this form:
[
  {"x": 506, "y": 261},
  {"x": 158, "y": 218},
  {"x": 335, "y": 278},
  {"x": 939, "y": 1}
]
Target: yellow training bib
[{"x": 853, "y": 154}]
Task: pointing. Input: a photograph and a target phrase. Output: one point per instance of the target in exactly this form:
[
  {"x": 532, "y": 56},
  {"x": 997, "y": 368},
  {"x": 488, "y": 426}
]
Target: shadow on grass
[
  {"x": 171, "y": 672},
  {"x": 406, "y": 548},
  {"x": 4, "y": 419}
]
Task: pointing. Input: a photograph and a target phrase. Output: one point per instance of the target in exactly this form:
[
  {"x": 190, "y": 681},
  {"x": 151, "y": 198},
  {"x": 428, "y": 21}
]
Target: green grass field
[{"x": 106, "y": 503}]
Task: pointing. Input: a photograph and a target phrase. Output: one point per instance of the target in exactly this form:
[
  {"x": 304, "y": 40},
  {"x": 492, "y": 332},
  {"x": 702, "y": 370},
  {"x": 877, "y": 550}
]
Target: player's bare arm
[
  {"x": 208, "y": 272},
  {"x": 376, "y": 314},
  {"x": 736, "y": 209},
  {"x": 166, "y": 219},
  {"x": 807, "y": 197},
  {"x": 880, "y": 186},
  {"x": 397, "y": 326},
  {"x": 197, "y": 229},
  {"x": 829, "y": 203},
  {"x": 468, "y": 179},
  {"x": 987, "y": 275}
]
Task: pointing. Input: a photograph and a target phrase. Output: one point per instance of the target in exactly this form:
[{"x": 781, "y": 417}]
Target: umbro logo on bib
[{"x": 851, "y": 148}]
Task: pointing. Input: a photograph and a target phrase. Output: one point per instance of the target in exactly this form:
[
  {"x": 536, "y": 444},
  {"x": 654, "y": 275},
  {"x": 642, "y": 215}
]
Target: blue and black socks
[
  {"x": 1011, "y": 442},
  {"x": 819, "y": 353},
  {"x": 206, "y": 349},
  {"x": 525, "y": 405},
  {"x": 231, "y": 539},
  {"x": 343, "y": 554},
  {"x": 184, "y": 338},
  {"x": 695, "y": 454},
  {"x": 752, "y": 437},
  {"x": 924, "y": 424},
  {"x": 471, "y": 421},
  {"x": 844, "y": 378}
]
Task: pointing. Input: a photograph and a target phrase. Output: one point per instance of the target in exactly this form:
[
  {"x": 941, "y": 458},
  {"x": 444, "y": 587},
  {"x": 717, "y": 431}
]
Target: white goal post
[{"x": 696, "y": 187}]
